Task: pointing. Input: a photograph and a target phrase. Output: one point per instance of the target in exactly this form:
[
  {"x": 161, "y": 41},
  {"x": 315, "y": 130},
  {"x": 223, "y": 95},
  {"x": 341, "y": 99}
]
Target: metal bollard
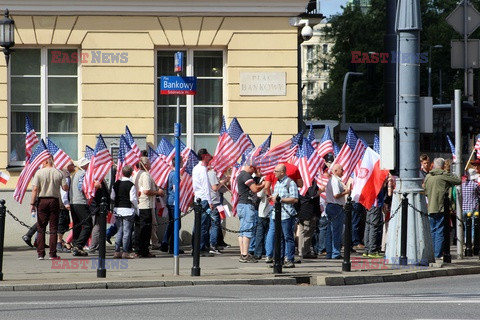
[
  {"x": 476, "y": 233},
  {"x": 102, "y": 224},
  {"x": 447, "y": 258},
  {"x": 403, "y": 232},
  {"x": 196, "y": 238},
  {"x": 347, "y": 236},
  {"x": 3, "y": 213},
  {"x": 468, "y": 235},
  {"x": 277, "y": 254}
]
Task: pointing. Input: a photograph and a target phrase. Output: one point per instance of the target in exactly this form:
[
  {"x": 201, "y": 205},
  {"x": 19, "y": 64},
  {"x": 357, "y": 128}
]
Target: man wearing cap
[
  {"x": 46, "y": 186},
  {"x": 437, "y": 184},
  {"x": 247, "y": 214},
  {"x": 82, "y": 223}
]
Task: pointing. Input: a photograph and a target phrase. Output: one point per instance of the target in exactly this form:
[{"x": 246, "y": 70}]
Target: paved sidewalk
[{"x": 22, "y": 271}]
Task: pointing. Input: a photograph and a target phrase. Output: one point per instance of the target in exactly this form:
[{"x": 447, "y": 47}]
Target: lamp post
[
  {"x": 7, "y": 35},
  {"x": 344, "y": 94},
  {"x": 438, "y": 46}
]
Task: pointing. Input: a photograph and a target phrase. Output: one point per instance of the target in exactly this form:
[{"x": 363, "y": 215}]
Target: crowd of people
[{"x": 311, "y": 224}]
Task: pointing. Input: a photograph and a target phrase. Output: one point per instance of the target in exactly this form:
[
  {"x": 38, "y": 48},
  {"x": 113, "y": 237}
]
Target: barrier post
[
  {"x": 102, "y": 224},
  {"x": 476, "y": 233},
  {"x": 196, "y": 238},
  {"x": 468, "y": 235},
  {"x": 3, "y": 213},
  {"x": 403, "y": 232},
  {"x": 347, "y": 236},
  {"x": 277, "y": 255}
]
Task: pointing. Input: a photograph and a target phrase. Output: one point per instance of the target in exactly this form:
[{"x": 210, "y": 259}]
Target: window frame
[{"x": 44, "y": 76}]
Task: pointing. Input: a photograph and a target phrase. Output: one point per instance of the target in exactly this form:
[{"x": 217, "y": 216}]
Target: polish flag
[
  {"x": 221, "y": 212},
  {"x": 4, "y": 177},
  {"x": 369, "y": 179}
]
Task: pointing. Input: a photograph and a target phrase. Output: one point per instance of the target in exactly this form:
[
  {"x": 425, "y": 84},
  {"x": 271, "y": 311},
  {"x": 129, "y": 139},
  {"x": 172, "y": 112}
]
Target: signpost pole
[{"x": 178, "y": 133}]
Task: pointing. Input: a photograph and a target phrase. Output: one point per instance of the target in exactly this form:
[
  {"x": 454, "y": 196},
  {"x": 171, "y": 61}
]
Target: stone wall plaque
[{"x": 263, "y": 83}]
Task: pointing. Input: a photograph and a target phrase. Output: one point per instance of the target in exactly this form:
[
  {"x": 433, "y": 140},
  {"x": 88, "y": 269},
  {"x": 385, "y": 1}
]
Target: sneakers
[
  {"x": 359, "y": 247},
  {"x": 214, "y": 251},
  {"x": 365, "y": 255},
  {"x": 55, "y": 257},
  {"x": 289, "y": 264},
  {"x": 40, "y": 258},
  {"x": 27, "y": 240},
  {"x": 77, "y": 252},
  {"x": 251, "y": 259},
  {"x": 242, "y": 259},
  {"x": 164, "y": 247},
  {"x": 374, "y": 255},
  {"x": 268, "y": 260}
]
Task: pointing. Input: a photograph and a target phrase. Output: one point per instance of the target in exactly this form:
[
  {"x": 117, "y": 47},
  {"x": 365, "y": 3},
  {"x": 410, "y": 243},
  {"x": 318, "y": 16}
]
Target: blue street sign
[
  {"x": 178, "y": 61},
  {"x": 178, "y": 85}
]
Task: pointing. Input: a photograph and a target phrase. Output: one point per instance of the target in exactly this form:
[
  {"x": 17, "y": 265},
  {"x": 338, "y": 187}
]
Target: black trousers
[
  {"x": 143, "y": 230},
  {"x": 64, "y": 221},
  {"x": 82, "y": 232}
]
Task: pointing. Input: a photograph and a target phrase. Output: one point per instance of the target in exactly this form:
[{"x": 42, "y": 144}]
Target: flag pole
[{"x": 469, "y": 159}]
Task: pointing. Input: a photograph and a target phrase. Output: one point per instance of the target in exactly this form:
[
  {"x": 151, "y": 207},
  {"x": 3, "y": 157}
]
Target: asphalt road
[{"x": 433, "y": 298}]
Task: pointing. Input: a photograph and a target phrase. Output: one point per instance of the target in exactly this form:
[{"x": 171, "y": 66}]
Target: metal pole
[
  {"x": 344, "y": 94},
  {"x": 429, "y": 94},
  {"x": 404, "y": 230},
  {"x": 196, "y": 238},
  {"x": 347, "y": 236},
  {"x": 476, "y": 235},
  {"x": 176, "y": 216},
  {"x": 468, "y": 230},
  {"x": 3, "y": 212},
  {"x": 447, "y": 258},
  {"x": 440, "y": 95},
  {"x": 102, "y": 224},
  {"x": 458, "y": 170},
  {"x": 277, "y": 254},
  {"x": 389, "y": 80}
]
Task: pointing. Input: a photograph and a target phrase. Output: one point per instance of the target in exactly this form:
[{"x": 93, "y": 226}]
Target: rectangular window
[
  {"x": 311, "y": 88},
  {"x": 325, "y": 48},
  {"x": 44, "y": 87},
  {"x": 201, "y": 114},
  {"x": 309, "y": 52}
]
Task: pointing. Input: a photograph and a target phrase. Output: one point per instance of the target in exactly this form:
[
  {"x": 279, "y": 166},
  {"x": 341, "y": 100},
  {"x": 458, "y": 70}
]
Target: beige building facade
[{"x": 83, "y": 68}]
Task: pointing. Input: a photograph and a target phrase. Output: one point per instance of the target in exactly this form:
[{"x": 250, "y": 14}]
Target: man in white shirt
[{"x": 335, "y": 199}]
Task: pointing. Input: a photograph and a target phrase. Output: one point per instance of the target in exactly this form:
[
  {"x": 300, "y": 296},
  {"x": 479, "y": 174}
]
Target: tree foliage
[{"x": 354, "y": 30}]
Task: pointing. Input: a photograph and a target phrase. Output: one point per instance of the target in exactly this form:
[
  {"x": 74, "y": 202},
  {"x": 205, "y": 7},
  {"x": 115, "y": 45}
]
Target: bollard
[
  {"x": 277, "y": 254},
  {"x": 403, "y": 232},
  {"x": 476, "y": 233},
  {"x": 347, "y": 236},
  {"x": 102, "y": 224},
  {"x": 468, "y": 235},
  {"x": 196, "y": 238},
  {"x": 447, "y": 258},
  {"x": 3, "y": 213}
]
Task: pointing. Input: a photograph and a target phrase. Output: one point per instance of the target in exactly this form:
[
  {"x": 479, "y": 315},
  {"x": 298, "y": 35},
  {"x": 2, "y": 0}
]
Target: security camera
[{"x": 307, "y": 33}]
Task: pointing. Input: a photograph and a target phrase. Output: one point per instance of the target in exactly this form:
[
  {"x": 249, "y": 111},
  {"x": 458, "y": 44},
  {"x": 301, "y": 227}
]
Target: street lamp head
[{"x": 7, "y": 34}]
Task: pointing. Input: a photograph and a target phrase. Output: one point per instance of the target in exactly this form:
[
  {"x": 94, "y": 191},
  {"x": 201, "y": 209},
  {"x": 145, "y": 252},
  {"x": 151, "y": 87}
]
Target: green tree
[{"x": 356, "y": 31}]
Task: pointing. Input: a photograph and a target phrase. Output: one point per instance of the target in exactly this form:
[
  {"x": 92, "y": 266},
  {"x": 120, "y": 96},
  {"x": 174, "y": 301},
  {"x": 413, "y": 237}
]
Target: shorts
[{"x": 247, "y": 215}]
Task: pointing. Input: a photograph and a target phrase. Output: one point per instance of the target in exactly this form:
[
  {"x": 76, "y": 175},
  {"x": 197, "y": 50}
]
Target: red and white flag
[
  {"x": 221, "y": 212},
  {"x": 308, "y": 163},
  {"x": 60, "y": 158},
  {"x": 4, "y": 177},
  {"x": 477, "y": 147},
  {"x": 368, "y": 180},
  {"x": 31, "y": 138},
  {"x": 159, "y": 169}
]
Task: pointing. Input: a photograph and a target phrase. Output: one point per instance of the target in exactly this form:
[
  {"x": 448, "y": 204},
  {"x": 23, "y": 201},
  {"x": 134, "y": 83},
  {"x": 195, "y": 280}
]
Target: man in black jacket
[{"x": 308, "y": 214}]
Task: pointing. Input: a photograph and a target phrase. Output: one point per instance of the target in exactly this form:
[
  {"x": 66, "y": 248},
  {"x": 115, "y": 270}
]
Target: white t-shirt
[{"x": 335, "y": 187}]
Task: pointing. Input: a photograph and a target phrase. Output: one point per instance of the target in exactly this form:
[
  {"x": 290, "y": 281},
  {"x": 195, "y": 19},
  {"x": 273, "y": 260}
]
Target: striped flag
[
  {"x": 223, "y": 133},
  {"x": 308, "y": 163},
  {"x": 351, "y": 153},
  {"x": 376, "y": 143},
  {"x": 4, "y": 177},
  {"x": 100, "y": 164},
  {"x": 89, "y": 152},
  {"x": 281, "y": 153},
  {"x": 126, "y": 156},
  {"x": 60, "y": 158},
  {"x": 261, "y": 150},
  {"x": 236, "y": 169},
  {"x": 477, "y": 147},
  {"x": 166, "y": 150},
  {"x": 326, "y": 143},
  {"x": 452, "y": 148},
  {"x": 31, "y": 138},
  {"x": 159, "y": 169},
  {"x": 131, "y": 142},
  {"x": 186, "y": 186},
  {"x": 31, "y": 166},
  {"x": 311, "y": 137},
  {"x": 234, "y": 144},
  {"x": 336, "y": 149}
]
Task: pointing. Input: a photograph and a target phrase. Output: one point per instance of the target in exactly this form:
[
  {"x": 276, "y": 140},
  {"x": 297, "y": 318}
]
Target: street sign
[
  {"x": 456, "y": 19},
  {"x": 457, "y": 56},
  {"x": 178, "y": 62},
  {"x": 178, "y": 85}
]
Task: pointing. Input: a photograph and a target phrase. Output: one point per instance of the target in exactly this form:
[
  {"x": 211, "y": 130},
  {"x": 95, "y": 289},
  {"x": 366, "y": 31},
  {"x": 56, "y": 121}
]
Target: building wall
[{"x": 112, "y": 95}]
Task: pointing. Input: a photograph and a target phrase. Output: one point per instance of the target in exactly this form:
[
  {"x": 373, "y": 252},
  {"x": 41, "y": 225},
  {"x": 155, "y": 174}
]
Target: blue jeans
[
  {"x": 124, "y": 234},
  {"x": 260, "y": 236},
  {"x": 320, "y": 235},
  {"x": 437, "y": 230},
  {"x": 288, "y": 239},
  {"x": 333, "y": 238},
  {"x": 209, "y": 227},
  {"x": 168, "y": 235}
]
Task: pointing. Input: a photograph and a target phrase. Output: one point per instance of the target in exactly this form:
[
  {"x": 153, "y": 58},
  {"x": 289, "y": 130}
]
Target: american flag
[
  {"x": 326, "y": 143},
  {"x": 100, "y": 164},
  {"x": 186, "y": 187},
  {"x": 452, "y": 147},
  {"x": 308, "y": 163},
  {"x": 31, "y": 138},
  {"x": 336, "y": 149},
  {"x": 376, "y": 144},
  {"x": 166, "y": 150},
  {"x": 159, "y": 168},
  {"x": 89, "y": 152},
  {"x": 60, "y": 158},
  {"x": 351, "y": 153},
  {"x": 281, "y": 153},
  {"x": 223, "y": 133},
  {"x": 126, "y": 156},
  {"x": 477, "y": 147},
  {"x": 232, "y": 146},
  {"x": 236, "y": 169},
  {"x": 131, "y": 143},
  {"x": 311, "y": 137},
  {"x": 260, "y": 151},
  {"x": 31, "y": 166}
]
